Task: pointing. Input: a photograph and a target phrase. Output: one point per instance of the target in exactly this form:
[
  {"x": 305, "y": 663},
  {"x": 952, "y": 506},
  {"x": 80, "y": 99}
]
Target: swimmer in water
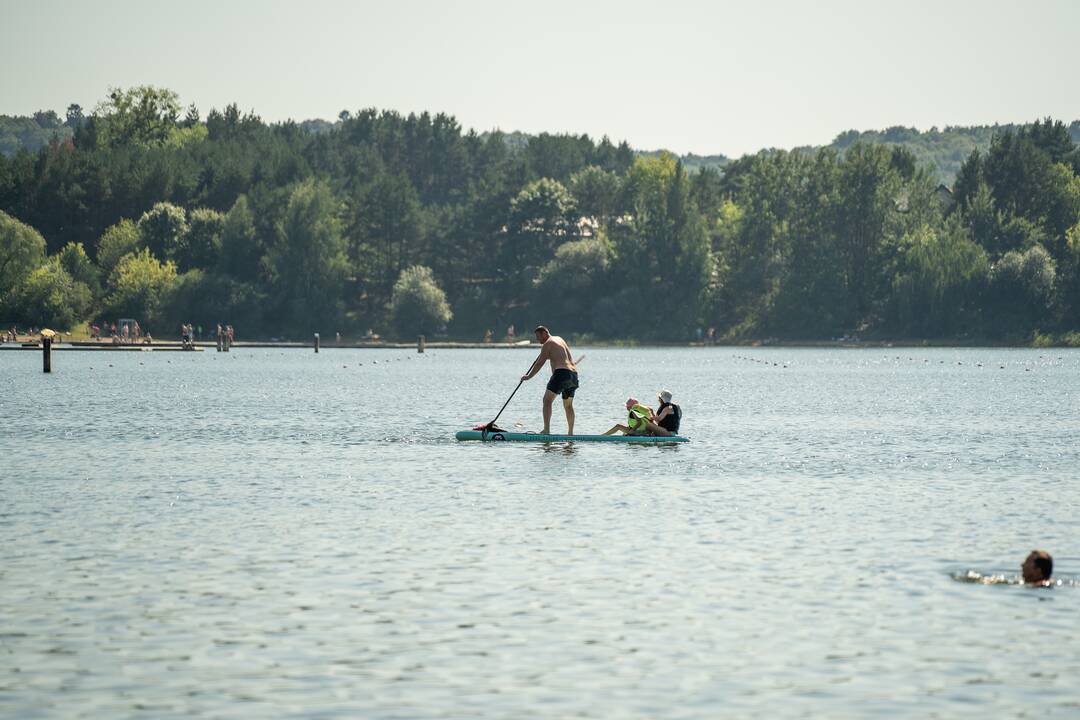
[{"x": 1037, "y": 568}]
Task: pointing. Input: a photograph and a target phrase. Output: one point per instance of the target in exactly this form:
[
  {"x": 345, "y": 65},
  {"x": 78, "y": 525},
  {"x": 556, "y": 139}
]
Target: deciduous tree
[{"x": 418, "y": 305}]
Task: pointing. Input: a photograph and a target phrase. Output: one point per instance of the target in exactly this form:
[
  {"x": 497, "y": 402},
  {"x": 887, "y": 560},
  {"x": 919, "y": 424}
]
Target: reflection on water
[
  {"x": 268, "y": 534},
  {"x": 977, "y": 578},
  {"x": 568, "y": 448}
]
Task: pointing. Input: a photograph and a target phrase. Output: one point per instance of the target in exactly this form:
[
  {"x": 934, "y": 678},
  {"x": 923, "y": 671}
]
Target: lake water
[{"x": 270, "y": 533}]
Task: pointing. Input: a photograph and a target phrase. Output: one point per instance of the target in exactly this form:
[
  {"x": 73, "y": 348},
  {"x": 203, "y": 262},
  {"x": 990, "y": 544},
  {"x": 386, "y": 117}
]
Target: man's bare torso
[{"x": 558, "y": 354}]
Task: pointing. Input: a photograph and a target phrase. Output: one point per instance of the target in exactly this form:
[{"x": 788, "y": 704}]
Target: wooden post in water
[
  {"x": 419, "y": 343},
  {"x": 46, "y": 353},
  {"x": 316, "y": 342}
]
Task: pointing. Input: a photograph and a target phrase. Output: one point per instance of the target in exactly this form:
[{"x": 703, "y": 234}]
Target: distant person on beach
[
  {"x": 640, "y": 420},
  {"x": 1037, "y": 568},
  {"x": 564, "y": 377},
  {"x": 668, "y": 414}
]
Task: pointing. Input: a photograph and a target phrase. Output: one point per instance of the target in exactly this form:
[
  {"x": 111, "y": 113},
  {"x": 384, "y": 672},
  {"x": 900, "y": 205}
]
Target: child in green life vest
[{"x": 639, "y": 421}]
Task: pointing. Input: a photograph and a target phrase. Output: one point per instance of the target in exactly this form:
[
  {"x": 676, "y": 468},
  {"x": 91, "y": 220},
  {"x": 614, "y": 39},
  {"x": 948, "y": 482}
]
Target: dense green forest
[
  {"x": 942, "y": 150},
  {"x": 410, "y": 224}
]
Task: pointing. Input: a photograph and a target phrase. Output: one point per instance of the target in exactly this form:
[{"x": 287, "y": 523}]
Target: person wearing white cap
[{"x": 668, "y": 415}]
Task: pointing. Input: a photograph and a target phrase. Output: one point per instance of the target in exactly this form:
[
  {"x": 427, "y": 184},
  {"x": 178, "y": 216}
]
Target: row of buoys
[
  {"x": 760, "y": 361},
  {"x": 373, "y": 362},
  {"x": 389, "y": 360},
  {"x": 926, "y": 361}
]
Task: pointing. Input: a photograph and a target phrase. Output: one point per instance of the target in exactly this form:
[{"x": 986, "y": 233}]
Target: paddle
[{"x": 485, "y": 429}]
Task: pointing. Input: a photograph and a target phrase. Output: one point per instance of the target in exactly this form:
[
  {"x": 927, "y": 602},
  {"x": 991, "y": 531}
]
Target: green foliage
[
  {"x": 241, "y": 247},
  {"x": 662, "y": 255},
  {"x": 1049, "y": 136},
  {"x": 202, "y": 244},
  {"x": 142, "y": 115},
  {"x": 22, "y": 249},
  {"x": 596, "y": 193},
  {"x": 942, "y": 151},
  {"x": 383, "y": 235},
  {"x": 182, "y": 136},
  {"x": 307, "y": 262},
  {"x": 692, "y": 163},
  {"x": 287, "y": 228},
  {"x": 116, "y": 242},
  {"x": 940, "y": 278},
  {"x": 80, "y": 267},
  {"x": 74, "y": 116},
  {"x": 26, "y": 133},
  {"x": 568, "y": 283},
  {"x": 163, "y": 230},
  {"x": 418, "y": 305},
  {"x": 541, "y": 218},
  {"x": 873, "y": 189},
  {"x": 1021, "y": 285},
  {"x": 140, "y": 287},
  {"x": 49, "y": 297},
  {"x": 207, "y": 298}
]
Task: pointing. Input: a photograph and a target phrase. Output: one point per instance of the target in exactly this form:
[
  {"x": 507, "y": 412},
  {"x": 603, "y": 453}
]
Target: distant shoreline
[{"x": 32, "y": 343}]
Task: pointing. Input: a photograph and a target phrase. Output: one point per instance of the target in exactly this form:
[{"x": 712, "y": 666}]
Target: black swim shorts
[{"x": 563, "y": 381}]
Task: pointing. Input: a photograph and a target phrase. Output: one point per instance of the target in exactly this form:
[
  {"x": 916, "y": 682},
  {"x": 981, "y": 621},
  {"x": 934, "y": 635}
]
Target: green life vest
[{"x": 638, "y": 418}]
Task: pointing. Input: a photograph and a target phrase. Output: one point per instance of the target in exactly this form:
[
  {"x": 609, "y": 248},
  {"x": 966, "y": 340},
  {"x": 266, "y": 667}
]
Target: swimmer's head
[{"x": 1037, "y": 567}]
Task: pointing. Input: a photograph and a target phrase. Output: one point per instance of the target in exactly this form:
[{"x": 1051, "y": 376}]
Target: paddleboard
[{"x": 504, "y": 436}]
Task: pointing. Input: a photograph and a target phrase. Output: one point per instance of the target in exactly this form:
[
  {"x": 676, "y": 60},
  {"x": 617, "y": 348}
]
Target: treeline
[
  {"x": 36, "y": 131},
  {"x": 409, "y": 224},
  {"x": 942, "y": 150}
]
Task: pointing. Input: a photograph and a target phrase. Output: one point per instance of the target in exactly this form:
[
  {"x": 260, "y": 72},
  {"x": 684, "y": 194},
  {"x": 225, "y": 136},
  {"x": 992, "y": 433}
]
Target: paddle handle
[{"x": 520, "y": 382}]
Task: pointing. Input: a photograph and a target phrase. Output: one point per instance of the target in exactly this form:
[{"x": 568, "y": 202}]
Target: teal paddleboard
[{"x": 503, "y": 436}]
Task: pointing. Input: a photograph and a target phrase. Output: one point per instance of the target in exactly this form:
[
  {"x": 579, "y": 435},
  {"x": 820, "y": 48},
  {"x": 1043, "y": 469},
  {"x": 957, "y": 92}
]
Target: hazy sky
[{"x": 704, "y": 77}]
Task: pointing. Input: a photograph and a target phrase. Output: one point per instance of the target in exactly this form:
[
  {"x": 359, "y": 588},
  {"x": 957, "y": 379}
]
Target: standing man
[{"x": 564, "y": 379}]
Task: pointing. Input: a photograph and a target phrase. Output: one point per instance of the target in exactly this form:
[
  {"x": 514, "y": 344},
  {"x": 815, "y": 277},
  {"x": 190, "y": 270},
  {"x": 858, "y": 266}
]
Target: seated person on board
[
  {"x": 640, "y": 421},
  {"x": 668, "y": 415},
  {"x": 1037, "y": 568}
]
